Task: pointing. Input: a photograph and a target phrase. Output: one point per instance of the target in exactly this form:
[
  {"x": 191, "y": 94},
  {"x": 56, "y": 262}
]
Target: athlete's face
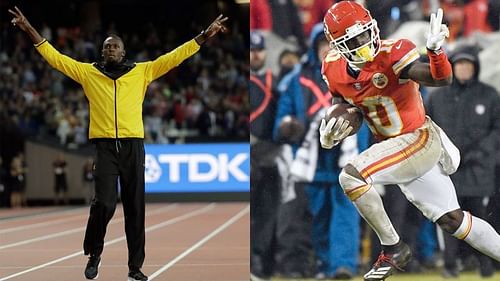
[
  {"x": 113, "y": 50},
  {"x": 360, "y": 50},
  {"x": 463, "y": 70},
  {"x": 358, "y": 41},
  {"x": 257, "y": 59}
]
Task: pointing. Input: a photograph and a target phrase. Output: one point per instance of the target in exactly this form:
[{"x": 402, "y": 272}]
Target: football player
[{"x": 381, "y": 78}]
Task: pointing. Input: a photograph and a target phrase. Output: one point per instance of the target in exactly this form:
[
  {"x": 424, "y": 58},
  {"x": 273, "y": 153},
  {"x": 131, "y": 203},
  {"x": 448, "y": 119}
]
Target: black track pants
[{"x": 123, "y": 160}]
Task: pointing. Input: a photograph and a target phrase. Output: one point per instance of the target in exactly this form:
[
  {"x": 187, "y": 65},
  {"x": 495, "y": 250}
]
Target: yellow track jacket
[{"x": 115, "y": 106}]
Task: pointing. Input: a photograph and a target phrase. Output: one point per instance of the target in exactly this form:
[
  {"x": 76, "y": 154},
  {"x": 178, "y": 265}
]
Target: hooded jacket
[
  {"x": 301, "y": 99},
  {"x": 469, "y": 113}
]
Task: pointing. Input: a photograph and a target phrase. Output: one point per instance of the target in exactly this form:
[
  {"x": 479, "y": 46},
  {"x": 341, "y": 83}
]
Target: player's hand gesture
[
  {"x": 333, "y": 132},
  {"x": 437, "y": 31},
  {"x": 23, "y": 23},
  {"x": 216, "y": 26},
  {"x": 19, "y": 19}
]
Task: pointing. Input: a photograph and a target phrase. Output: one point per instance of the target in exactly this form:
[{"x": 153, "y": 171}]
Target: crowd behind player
[
  {"x": 39, "y": 101},
  {"x": 269, "y": 21}
]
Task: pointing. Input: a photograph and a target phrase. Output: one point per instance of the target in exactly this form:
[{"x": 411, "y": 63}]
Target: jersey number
[{"x": 384, "y": 115}]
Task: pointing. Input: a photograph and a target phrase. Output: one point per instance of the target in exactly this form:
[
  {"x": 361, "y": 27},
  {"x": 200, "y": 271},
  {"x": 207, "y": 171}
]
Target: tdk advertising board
[{"x": 197, "y": 168}]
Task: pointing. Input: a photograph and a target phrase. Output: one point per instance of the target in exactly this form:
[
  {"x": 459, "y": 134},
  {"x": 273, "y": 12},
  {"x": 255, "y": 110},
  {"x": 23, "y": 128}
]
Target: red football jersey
[{"x": 392, "y": 106}]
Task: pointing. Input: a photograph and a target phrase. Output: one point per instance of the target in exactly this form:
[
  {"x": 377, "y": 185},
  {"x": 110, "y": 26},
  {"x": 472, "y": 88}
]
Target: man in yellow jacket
[{"x": 115, "y": 89}]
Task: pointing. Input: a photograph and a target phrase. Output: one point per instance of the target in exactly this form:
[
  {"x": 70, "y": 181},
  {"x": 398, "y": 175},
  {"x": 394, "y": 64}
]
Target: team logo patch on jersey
[{"x": 380, "y": 80}]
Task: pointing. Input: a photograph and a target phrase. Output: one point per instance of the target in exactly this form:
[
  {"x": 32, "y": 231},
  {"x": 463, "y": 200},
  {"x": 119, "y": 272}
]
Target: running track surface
[{"x": 184, "y": 242}]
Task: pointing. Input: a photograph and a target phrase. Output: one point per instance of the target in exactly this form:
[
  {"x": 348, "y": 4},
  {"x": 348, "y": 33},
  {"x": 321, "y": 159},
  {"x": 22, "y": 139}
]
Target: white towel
[
  {"x": 348, "y": 150},
  {"x": 304, "y": 165},
  {"x": 450, "y": 157},
  {"x": 287, "y": 184}
]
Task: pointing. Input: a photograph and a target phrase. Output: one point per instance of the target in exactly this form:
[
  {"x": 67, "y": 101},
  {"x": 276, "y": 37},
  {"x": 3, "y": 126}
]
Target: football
[{"x": 348, "y": 112}]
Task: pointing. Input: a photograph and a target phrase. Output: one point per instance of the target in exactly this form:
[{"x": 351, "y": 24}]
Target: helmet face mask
[
  {"x": 352, "y": 32},
  {"x": 348, "y": 46},
  {"x": 359, "y": 41}
]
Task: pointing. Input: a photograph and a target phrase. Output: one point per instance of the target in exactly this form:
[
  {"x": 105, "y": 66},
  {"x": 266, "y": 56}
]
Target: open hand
[
  {"x": 216, "y": 26},
  {"x": 333, "y": 132},
  {"x": 19, "y": 19},
  {"x": 437, "y": 31}
]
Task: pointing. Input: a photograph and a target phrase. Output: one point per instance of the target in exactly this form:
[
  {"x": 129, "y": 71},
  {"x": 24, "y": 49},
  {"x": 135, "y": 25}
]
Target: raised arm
[
  {"x": 438, "y": 71},
  {"x": 166, "y": 62},
  {"x": 70, "y": 67},
  {"x": 421, "y": 73},
  {"x": 23, "y": 23},
  {"x": 214, "y": 28}
]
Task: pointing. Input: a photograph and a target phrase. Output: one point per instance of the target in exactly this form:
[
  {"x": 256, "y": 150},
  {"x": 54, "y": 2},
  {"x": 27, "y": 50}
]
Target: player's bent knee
[
  {"x": 353, "y": 184},
  {"x": 349, "y": 178},
  {"x": 451, "y": 221}
]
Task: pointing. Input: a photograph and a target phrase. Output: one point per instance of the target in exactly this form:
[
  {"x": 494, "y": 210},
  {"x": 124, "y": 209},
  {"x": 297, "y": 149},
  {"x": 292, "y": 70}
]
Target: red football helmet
[{"x": 352, "y": 31}]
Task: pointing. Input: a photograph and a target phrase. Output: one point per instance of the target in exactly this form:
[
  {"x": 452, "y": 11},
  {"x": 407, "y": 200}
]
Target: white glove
[
  {"x": 437, "y": 31},
  {"x": 331, "y": 133}
]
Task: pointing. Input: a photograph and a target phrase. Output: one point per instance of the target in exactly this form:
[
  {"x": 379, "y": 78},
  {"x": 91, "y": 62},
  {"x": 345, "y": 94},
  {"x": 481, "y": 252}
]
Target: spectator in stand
[
  {"x": 476, "y": 17},
  {"x": 287, "y": 24},
  {"x": 334, "y": 232},
  {"x": 311, "y": 12},
  {"x": 464, "y": 17},
  {"x": 260, "y": 16},
  {"x": 60, "y": 180},
  {"x": 266, "y": 181},
  {"x": 288, "y": 60},
  {"x": 469, "y": 111},
  {"x": 24, "y": 171},
  {"x": 16, "y": 182}
]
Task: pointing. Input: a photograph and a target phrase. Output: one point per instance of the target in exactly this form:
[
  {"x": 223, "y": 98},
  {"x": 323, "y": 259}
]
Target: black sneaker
[
  {"x": 388, "y": 262},
  {"x": 486, "y": 267},
  {"x": 136, "y": 275},
  {"x": 343, "y": 273},
  {"x": 92, "y": 268},
  {"x": 449, "y": 273}
]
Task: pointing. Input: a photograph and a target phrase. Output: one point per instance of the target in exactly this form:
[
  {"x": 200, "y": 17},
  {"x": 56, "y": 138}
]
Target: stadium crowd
[
  {"x": 205, "y": 96},
  {"x": 287, "y": 28}
]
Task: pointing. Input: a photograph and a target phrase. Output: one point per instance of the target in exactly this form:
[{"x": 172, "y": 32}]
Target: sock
[
  {"x": 480, "y": 235},
  {"x": 392, "y": 248},
  {"x": 371, "y": 208}
]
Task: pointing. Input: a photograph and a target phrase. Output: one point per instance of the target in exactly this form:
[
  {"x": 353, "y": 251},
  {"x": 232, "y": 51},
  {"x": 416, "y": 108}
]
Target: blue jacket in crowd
[{"x": 301, "y": 91}]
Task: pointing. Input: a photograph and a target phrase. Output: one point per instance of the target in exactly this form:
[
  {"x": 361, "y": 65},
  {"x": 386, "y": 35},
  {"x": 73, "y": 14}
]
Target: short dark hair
[{"x": 115, "y": 36}]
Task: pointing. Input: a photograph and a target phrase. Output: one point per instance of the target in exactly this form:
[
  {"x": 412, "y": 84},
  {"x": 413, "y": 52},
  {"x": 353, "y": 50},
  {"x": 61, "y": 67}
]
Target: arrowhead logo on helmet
[{"x": 352, "y": 31}]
